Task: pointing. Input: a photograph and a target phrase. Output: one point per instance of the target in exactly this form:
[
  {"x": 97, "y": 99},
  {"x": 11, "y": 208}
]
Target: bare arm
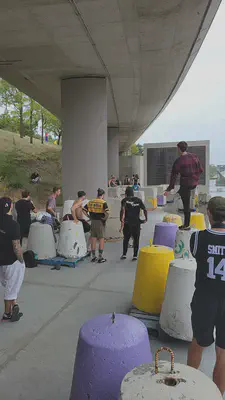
[
  {"x": 75, "y": 206},
  {"x": 106, "y": 215},
  {"x": 145, "y": 214},
  {"x": 18, "y": 250},
  {"x": 122, "y": 217},
  {"x": 51, "y": 211},
  {"x": 144, "y": 211}
]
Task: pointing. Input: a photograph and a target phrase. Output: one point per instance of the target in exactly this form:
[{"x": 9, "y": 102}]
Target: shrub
[{"x": 12, "y": 170}]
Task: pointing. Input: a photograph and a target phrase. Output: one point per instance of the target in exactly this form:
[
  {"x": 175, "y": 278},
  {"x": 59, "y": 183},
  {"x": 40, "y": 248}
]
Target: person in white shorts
[{"x": 12, "y": 266}]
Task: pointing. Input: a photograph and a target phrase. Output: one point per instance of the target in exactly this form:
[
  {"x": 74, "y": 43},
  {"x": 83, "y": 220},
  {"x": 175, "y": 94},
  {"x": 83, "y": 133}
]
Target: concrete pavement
[{"x": 37, "y": 353}]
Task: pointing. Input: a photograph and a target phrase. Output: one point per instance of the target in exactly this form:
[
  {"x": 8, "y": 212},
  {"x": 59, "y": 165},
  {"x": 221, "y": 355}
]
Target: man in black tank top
[{"x": 208, "y": 303}]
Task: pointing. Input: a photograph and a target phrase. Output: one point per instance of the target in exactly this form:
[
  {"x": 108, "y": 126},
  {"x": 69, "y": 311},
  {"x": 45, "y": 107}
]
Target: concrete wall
[
  {"x": 125, "y": 166},
  {"x": 138, "y": 167},
  {"x": 130, "y": 165}
]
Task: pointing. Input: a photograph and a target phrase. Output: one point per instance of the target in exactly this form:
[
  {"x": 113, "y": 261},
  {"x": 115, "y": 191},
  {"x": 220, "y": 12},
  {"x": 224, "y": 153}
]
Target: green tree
[
  {"x": 53, "y": 125},
  {"x": 14, "y": 102},
  {"x": 137, "y": 149},
  {"x": 212, "y": 171},
  {"x": 6, "y": 95},
  {"x": 19, "y": 103},
  {"x": 134, "y": 149},
  {"x": 22, "y": 114}
]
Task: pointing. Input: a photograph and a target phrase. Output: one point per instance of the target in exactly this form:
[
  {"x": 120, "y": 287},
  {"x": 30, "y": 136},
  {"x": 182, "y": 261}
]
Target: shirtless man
[{"x": 78, "y": 215}]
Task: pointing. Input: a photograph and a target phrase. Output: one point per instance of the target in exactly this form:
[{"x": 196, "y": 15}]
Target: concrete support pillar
[
  {"x": 113, "y": 152},
  {"x": 84, "y": 152}
]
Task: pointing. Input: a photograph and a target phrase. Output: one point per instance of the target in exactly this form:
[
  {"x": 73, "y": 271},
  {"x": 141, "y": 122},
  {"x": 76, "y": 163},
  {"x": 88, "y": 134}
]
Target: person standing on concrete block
[
  {"x": 208, "y": 303},
  {"x": 188, "y": 166},
  {"x": 12, "y": 265},
  {"x": 78, "y": 215},
  {"x": 51, "y": 206},
  {"x": 98, "y": 211},
  {"x": 130, "y": 221}
]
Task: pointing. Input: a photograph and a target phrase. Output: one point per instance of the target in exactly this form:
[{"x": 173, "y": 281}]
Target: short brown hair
[
  {"x": 25, "y": 194},
  {"x": 182, "y": 146},
  {"x": 216, "y": 207},
  {"x": 56, "y": 188}
]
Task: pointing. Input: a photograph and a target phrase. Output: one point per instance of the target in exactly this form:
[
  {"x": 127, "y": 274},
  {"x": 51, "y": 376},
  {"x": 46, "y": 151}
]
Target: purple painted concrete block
[
  {"x": 106, "y": 352},
  {"x": 165, "y": 234},
  {"x": 161, "y": 200}
]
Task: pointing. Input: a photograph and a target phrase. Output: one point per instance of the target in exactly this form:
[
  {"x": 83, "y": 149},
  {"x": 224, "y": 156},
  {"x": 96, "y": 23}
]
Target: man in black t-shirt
[
  {"x": 130, "y": 221},
  {"x": 24, "y": 207},
  {"x": 208, "y": 303},
  {"x": 12, "y": 265}
]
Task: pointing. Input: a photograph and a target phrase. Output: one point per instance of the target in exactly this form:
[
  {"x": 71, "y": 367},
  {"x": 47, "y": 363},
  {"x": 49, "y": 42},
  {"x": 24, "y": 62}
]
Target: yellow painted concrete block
[
  {"x": 198, "y": 221},
  {"x": 151, "y": 276},
  {"x": 151, "y": 203},
  {"x": 176, "y": 219}
]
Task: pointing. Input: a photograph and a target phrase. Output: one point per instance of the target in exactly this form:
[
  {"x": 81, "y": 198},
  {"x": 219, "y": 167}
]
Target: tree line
[{"x": 24, "y": 115}]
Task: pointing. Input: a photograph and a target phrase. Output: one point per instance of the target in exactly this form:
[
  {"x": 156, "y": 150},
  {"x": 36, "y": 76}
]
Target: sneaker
[
  {"x": 16, "y": 314},
  {"x": 123, "y": 257},
  {"x": 6, "y": 317},
  {"x": 94, "y": 259},
  {"x": 184, "y": 228},
  {"x": 134, "y": 258},
  {"x": 101, "y": 260}
]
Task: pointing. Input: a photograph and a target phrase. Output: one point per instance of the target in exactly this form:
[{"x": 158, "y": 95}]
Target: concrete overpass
[{"x": 98, "y": 65}]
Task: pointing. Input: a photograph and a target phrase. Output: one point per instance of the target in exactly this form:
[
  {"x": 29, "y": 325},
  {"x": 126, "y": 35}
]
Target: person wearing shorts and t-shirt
[
  {"x": 51, "y": 206},
  {"x": 12, "y": 265},
  {"x": 208, "y": 303},
  {"x": 24, "y": 207},
  {"x": 98, "y": 211}
]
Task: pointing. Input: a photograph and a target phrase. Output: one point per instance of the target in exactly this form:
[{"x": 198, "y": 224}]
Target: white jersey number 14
[{"x": 216, "y": 270}]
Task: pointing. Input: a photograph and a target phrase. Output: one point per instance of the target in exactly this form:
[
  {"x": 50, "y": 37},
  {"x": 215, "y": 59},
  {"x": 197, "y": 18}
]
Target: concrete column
[
  {"x": 84, "y": 151},
  {"x": 113, "y": 152}
]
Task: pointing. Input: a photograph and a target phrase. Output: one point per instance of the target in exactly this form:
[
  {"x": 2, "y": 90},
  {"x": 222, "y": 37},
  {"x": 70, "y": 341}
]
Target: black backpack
[{"x": 29, "y": 259}]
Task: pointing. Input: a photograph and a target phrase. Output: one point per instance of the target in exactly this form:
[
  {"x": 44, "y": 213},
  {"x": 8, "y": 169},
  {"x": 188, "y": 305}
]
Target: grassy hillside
[{"x": 43, "y": 158}]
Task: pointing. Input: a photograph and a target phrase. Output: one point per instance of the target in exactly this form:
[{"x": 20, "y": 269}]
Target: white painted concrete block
[
  {"x": 41, "y": 241},
  {"x": 175, "y": 317},
  {"x": 112, "y": 228},
  {"x": 72, "y": 242},
  {"x": 182, "y": 244},
  {"x": 67, "y": 207},
  {"x": 114, "y": 192},
  {"x": 114, "y": 207},
  {"x": 183, "y": 383}
]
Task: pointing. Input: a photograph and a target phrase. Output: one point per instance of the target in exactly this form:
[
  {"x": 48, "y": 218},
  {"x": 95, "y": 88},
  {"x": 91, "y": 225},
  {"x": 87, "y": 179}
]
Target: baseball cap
[
  {"x": 216, "y": 206},
  {"x": 5, "y": 205}
]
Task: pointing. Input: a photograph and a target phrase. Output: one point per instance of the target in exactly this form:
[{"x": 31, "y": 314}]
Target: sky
[{"x": 197, "y": 111}]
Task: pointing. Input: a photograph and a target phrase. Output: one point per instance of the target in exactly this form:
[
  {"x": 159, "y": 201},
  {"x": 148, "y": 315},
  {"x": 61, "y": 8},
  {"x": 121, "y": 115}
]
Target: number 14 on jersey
[{"x": 216, "y": 270}]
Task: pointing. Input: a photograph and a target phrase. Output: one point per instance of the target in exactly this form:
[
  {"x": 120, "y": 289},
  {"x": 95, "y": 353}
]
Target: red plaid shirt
[{"x": 189, "y": 168}]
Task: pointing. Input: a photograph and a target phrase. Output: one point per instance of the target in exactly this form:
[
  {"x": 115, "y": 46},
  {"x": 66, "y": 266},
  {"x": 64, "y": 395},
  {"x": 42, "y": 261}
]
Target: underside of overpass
[{"x": 140, "y": 49}]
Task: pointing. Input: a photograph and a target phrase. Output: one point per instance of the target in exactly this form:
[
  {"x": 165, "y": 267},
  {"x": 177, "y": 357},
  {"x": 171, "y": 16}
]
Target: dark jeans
[
  {"x": 185, "y": 194},
  {"x": 128, "y": 232}
]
